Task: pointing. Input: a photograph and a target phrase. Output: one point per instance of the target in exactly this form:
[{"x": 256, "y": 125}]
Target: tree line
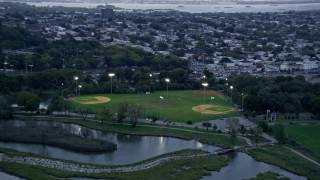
[{"x": 286, "y": 95}]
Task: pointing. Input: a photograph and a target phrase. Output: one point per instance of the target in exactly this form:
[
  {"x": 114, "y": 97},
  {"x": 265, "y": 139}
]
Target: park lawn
[
  {"x": 176, "y": 107},
  {"x": 306, "y": 135}
]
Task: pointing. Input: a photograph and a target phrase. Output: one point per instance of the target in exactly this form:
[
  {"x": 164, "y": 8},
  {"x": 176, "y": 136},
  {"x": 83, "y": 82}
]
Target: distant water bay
[{"x": 228, "y": 8}]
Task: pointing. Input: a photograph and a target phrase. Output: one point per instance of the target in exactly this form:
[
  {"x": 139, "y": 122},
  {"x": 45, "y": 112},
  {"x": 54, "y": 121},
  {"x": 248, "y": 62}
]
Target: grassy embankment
[
  {"x": 212, "y": 138},
  {"x": 286, "y": 159},
  {"x": 176, "y": 107},
  {"x": 180, "y": 169},
  {"x": 308, "y": 136},
  {"x": 303, "y": 138},
  {"x": 269, "y": 176}
]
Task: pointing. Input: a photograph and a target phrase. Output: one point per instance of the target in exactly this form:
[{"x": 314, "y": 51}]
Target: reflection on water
[
  {"x": 6, "y": 176},
  {"x": 243, "y": 166},
  {"x": 124, "y": 138},
  {"x": 131, "y": 149}
]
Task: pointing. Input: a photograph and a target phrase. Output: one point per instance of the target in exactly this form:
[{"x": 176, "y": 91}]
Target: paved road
[
  {"x": 269, "y": 138},
  {"x": 220, "y": 123}
]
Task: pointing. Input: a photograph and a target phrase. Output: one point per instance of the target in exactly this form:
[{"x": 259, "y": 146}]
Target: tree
[
  {"x": 29, "y": 100},
  {"x": 86, "y": 132},
  {"x": 122, "y": 112},
  {"x": 5, "y": 109},
  {"x": 162, "y": 46},
  {"x": 135, "y": 112},
  {"x": 84, "y": 112},
  {"x": 279, "y": 133},
  {"x": 56, "y": 104},
  {"x": 257, "y": 133},
  {"x": 315, "y": 106},
  {"x": 42, "y": 132},
  {"x": 263, "y": 125},
  {"x": 104, "y": 114},
  {"x": 214, "y": 127},
  {"x": 232, "y": 124},
  {"x": 242, "y": 129},
  {"x": 207, "y": 125}
]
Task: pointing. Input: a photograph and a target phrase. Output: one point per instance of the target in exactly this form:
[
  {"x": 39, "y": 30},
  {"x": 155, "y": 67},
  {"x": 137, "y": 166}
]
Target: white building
[{"x": 307, "y": 65}]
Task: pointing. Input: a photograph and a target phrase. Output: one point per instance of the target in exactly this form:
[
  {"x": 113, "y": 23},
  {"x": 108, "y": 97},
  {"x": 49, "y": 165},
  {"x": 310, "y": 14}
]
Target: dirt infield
[
  {"x": 210, "y": 92},
  {"x": 98, "y": 100},
  {"x": 205, "y": 109}
]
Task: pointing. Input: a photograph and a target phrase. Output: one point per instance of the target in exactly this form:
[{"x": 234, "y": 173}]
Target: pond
[
  {"x": 131, "y": 148},
  {"x": 243, "y": 166}
]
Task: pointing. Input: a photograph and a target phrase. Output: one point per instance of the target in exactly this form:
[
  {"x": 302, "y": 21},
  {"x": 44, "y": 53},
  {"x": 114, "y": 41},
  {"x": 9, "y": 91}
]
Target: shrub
[{"x": 189, "y": 122}]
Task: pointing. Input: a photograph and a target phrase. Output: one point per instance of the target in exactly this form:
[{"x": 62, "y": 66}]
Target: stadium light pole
[
  {"x": 167, "y": 80},
  {"x": 242, "y": 101},
  {"x": 26, "y": 63},
  {"x": 5, "y": 66},
  {"x": 76, "y": 79},
  {"x": 161, "y": 100},
  {"x": 148, "y": 93},
  {"x": 62, "y": 90},
  {"x": 79, "y": 89},
  {"x": 231, "y": 87},
  {"x": 31, "y": 66},
  {"x": 204, "y": 91},
  {"x": 227, "y": 86},
  {"x": 111, "y": 75},
  {"x": 150, "y": 76},
  {"x": 63, "y": 66}
]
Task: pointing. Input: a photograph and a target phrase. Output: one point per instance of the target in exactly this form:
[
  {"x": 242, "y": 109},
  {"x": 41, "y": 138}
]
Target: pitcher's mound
[
  {"x": 212, "y": 109},
  {"x": 91, "y": 100}
]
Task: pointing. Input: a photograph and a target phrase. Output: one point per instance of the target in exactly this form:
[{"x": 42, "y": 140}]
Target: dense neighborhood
[{"x": 262, "y": 44}]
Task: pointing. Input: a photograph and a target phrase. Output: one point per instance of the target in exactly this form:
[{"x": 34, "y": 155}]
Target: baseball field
[{"x": 179, "y": 106}]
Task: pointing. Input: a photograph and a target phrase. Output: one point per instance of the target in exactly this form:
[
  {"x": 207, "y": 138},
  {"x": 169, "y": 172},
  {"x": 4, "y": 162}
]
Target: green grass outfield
[
  {"x": 306, "y": 135},
  {"x": 176, "y": 107}
]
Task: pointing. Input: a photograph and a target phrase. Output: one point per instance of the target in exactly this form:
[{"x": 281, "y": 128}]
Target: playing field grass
[
  {"x": 176, "y": 107},
  {"x": 306, "y": 135}
]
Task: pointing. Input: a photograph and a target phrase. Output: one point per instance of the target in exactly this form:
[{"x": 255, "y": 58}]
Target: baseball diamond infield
[
  {"x": 91, "y": 100},
  {"x": 212, "y": 109}
]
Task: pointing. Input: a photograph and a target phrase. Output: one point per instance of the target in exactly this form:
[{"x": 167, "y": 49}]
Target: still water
[
  {"x": 131, "y": 149},
  {"x": 243, "y": 166},
  {"x": 6, "y": 176},
  {"x": 233, "y": 8}
]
